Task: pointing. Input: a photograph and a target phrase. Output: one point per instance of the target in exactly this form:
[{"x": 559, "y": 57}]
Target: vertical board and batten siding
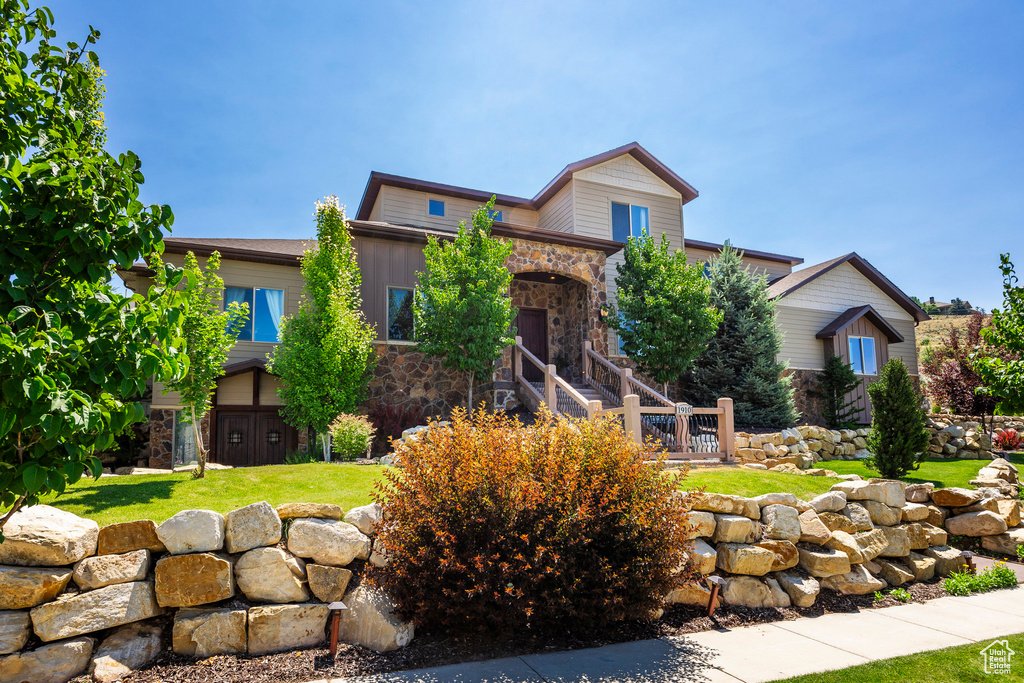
[
  {"x": 557, "y": 212},
  {"x": 384, "y": 264},
  {"x": 804, "y": 312},
  {"x": 863, "y": 328},
  {"x": 773, "y": 269},
  {"x": 409, "y": 207}
]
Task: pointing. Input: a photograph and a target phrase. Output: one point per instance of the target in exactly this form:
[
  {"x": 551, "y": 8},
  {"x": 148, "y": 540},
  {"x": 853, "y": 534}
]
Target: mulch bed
[{"x": 437, "y": 649}]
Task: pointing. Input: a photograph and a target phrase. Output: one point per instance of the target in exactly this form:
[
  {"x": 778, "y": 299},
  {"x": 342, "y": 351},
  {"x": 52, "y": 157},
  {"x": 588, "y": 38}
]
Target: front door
[{"x": 532, "y": 324}]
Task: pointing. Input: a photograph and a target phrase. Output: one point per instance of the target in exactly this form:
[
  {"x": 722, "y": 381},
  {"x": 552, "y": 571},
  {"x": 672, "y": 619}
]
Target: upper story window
[
  {"x": 266, "y": 308},
  {"x": 496, "y": 216},
  {"x": 862, "y": 355},
  {"x": 629, "y": 220},
  {"x": 400, "y": 314},
  {"x": 435, "y": 207}
]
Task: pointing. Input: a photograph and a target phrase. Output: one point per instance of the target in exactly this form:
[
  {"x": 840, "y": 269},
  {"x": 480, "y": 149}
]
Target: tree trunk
[
  {"x": 472, "y": 378},
  {"x": 200, "y": 472},
  {"x": 327, "y": 446}
]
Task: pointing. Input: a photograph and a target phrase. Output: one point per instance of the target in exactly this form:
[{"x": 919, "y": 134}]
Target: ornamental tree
[
  {"x": 1003, "y": 376},
  {"x": 664, "y": 318},
  {"x": 325, "y": 356},
  {"x": 835, "y": 384},
  {"x": 462, "y": 311},
  {"x": 209, "y": 333},
  {"x": 741, "y": 361},
  {"x": 74, "y": 354},
  {"x": 898, "y": 439}
]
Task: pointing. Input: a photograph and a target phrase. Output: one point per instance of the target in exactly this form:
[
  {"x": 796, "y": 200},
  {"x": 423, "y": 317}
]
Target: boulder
[
  {"x": 859, "y": 516},
  {"x": 823, "y": 562},
  {"x": 802, "y": 590},
  {"x": 919, "y": 493},
  {"x": 192, "y": 531},
  {"x": 727, "y": 505},
  {"x": 893, "y": 492},
  {"x": 872, "y": 543},
  {"x": 936, "y": 515},
  {"x": 701, "y": 524},
  {"x": 208, "y": 632},
  {"x": 790, "y": 436},
  {"x": 922, "y": 567},
  {"x": 976, "y": 524},
  {"x": 983, "y": 505},
  {"x": 190, "y": 580},
  {"x": 914, "y": 512},
  {"x": 861, "y": 490},
  {"x": 252, "y": 526},
  {"x": 845, "y": 543},
  {"x": 328, "y": 541},
  {"x": 74, "y": 615},
  {"x": 917, "y": 535},
  {"x": 15, "y": 628},
  {"x": 694, "y": 594},
  {"x": 812, "y": 530},
  {"x": 763, "y": 500},
  {"x": 105, "y": 570},
  {"x": 328, "y": 584},
  {"x": 947, "y": 560},
  {"x": 56, "y": 663},
  {"x": 24, "y": 587},
  {"x": 898, "y": 542},
  {"x": 365, "y": 518},
  {"x": 271, "y": 575},
  {"x": 117, "y": 539},
  {"x": 830, "y": 501},
  {"x": 747, "y": 591},
  {"x": 881, "y": 514},
  {"x": 781, "y": 522},
  {"x": 785, "y": 554},
  {"x": 378, "y": 557},
  {"x": 735, "y": 529},
  {"x": 893, "y": 573},
  {"x": 43, "y": 536},
  {"x": 370, "y": 621},
  {"x": 1005, "y": 542},
  {"x": 127, "y": 649},
  {"x": 857, "y": 581},
  {"x": 955, "y": 497},
  {"x": 703, "y": 557},
  {"x": 273, "y": 628},
  {"x": 750, "y": 560},
  {"x": 936, "y": 536},
  {"x": 780, "y": 598},
  {"x": 1010, "y": 511},
  {"x": 837, "y": 522},
  {"x": 309, "y": 510}
]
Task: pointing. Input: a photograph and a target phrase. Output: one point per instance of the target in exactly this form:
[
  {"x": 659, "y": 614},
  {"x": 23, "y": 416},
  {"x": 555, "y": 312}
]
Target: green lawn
[
  {"x": 159, "y": 496},
  {"x": 942, "y": 473},
  {"x": 962, "y": 664},
  {"x": 741, "y": 481}
]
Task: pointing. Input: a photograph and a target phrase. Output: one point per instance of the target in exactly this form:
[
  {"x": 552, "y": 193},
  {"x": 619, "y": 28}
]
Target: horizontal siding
[
  {"x": 385, "y": 264},
  {"x": 235, "y": 390},
  {"x": 268, "y": 390},
  {"x": 626, "y": 172},
  {"x": 773, "y": 269},
  {"x": 556, "y": 214},
  {"x": 844, "y": 287},
  {"x": 375, "y": 211},
  {"x": 906, "y": 349},
  {"x": 409, "y": 207}
]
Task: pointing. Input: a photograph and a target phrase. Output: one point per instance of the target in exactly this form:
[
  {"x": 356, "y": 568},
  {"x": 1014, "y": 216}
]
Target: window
[
  {"x": 266, "y": 307},
  {"x": 399, "y": 314},
  {"x": 862, "y": 355},
  {"x": 183, "y": 450},
  {"x": 435, "y": 207},
  {"x": 629, "y": 220},
  {"x": 496, "y": 216}
]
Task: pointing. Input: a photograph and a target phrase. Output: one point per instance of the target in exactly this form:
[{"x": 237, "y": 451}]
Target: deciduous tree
[{"x": 1003, "y": 377}]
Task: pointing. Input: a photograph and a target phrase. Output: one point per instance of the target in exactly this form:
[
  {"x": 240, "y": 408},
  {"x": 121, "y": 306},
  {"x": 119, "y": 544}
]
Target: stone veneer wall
[
  {"x": 161, "y": 436},
  {"x": 566, "y": 305},
  {"x": 805, "y": 384}
]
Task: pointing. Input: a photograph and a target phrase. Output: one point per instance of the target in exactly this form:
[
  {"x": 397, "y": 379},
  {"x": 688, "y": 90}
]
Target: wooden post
[
  {"x": 549, "y": 389},
  {"x": 592, "y": 409},
  {"x": 624, "y": 388},
  {"x": 726, "y": 430},
  {"x": 632, "y": 417},
  {"x": 517, "y": 359}
]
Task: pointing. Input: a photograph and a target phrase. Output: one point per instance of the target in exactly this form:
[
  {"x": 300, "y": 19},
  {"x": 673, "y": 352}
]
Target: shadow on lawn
[{"x": 135, "y": 490}]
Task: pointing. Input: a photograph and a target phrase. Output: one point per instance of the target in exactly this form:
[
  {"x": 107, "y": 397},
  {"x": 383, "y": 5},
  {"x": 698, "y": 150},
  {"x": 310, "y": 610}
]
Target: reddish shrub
[
  {"x": 493, "y": 526},
  {"x": 1009, "y": 440},
  {"x": 390, "y": 421}
]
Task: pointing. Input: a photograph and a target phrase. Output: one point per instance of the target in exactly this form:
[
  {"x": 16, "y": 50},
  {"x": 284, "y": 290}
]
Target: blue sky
[{"x": 894, "y": 129}]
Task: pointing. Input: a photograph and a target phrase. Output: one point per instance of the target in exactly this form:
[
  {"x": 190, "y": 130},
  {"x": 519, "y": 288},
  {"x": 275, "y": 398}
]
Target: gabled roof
[
  {"x": 762, "y": 255},
  {"x": 245, "y": 366},
  {"x": 634, "y": 149},
  {"x": 281, "y": 252},
  {"x": 794, "y": 281},
  {"x": 852, "y": 315}
]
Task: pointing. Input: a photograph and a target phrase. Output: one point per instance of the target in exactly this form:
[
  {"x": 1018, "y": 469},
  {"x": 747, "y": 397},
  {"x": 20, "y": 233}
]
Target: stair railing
[{"x": 559, "y": 396}]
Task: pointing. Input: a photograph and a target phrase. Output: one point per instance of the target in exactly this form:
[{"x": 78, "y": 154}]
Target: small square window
[
  {"x": 400, "y": 327},
  {"x": 496, "y": 216},
  {"x": 435, "y": 207}
]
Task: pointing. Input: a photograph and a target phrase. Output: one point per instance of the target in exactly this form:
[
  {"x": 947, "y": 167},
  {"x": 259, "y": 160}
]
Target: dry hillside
[{"x": 931, "y": 332}]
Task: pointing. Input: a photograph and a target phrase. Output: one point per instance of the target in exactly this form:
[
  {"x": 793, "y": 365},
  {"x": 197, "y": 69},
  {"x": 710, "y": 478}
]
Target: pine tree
[
  {"x": 741, "y": 360},
  {"x": 898, "y": 439},
  {"x": 835, "y": 383}
]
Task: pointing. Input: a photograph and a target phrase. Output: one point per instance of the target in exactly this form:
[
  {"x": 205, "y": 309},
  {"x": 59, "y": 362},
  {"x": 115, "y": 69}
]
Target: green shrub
[
  {"x": 494, "y": 527},
  {"x": 835, "y": 384},
  {"x": 351, "y": 436},
  {"x": 898, "y": 439},
  {"x": 965, "y": 583},
  {"x": 1020, "y": 553},
  {"x": 901, "y": 594}
]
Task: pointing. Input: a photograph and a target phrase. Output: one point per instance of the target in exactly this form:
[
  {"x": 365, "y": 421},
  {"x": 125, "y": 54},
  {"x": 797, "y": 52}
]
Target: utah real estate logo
[{"x": 997, "y": 657}]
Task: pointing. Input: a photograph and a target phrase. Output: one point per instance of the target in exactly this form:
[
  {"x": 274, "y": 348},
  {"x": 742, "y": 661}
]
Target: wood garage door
[{"x": 250, "y": 438}]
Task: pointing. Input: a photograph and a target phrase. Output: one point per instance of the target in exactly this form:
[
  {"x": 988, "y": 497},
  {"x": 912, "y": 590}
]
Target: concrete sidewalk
[{"x": 755, "y": 654}]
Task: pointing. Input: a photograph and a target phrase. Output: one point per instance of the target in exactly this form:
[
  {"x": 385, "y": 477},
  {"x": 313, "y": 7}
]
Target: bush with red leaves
[
  {"x": 1009, "y": 440},
  {"x": 390, "y": 421},
  {"x": 493, "y": 526}
]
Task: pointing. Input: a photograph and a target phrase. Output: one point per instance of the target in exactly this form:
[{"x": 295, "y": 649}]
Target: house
[
  {"x": 567, "y": 242},
  {"x": 946, "y": 307}
]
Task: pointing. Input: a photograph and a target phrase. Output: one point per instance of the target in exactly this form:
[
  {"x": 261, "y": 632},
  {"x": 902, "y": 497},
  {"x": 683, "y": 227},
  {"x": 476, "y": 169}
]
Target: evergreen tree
[
  {"x": 835, "y": 383},
  {"x": 741, "y": 359},
  {"x": 898, "y": 439}
]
